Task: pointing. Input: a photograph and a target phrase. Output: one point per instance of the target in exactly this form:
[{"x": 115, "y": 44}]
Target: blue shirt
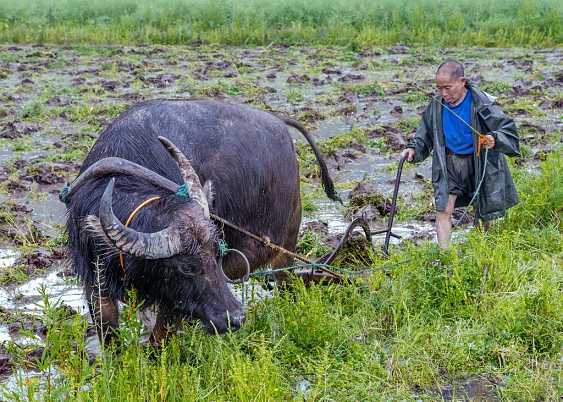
[{"x": 459, "y": 137}]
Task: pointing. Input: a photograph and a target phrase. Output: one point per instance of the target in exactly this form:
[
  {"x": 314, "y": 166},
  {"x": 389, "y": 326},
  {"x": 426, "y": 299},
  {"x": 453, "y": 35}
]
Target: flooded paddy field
[{"x": 361, "y": 108}]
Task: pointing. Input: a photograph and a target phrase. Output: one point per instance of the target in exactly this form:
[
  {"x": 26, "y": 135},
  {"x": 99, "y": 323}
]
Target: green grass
[
  {"x": 353, "y": 23},
  {"x": 14, "y": 274},
  {"x": 294, "y": 96},
  {"x": 408, "y": 124},
  {"x": 310, "y": 245},
  {"x": 308, "y": 200},
  {"x": 496, "y": 87},
  {"x": 524, "y": 106},
  {"x": 23, "y": 144},
  {"x": 365, "y": 89},
  {"x": 491, "y": 307},
  {"x": 415, "y": 97}
]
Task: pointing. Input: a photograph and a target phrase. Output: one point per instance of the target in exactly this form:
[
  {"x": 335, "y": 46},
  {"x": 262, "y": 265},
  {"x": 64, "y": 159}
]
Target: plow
[{"x": 320, "y": 270}]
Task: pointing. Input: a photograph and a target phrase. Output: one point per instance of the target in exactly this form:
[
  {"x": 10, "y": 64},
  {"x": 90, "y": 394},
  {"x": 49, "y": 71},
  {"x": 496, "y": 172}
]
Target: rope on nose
[{"x": 223, "y": 251}]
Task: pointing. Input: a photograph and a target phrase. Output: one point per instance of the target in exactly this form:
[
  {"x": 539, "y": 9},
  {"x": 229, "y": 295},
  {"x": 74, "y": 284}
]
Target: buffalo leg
[
  {"x": 280, "y": 261},
  {"x": 104, "y": 313},
  {"x": 167, "y": 323},
  {"x": 283, "y": 260}
]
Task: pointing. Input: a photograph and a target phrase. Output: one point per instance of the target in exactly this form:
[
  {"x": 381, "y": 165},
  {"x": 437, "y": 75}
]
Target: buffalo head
[{"x": 188, "y": 280}]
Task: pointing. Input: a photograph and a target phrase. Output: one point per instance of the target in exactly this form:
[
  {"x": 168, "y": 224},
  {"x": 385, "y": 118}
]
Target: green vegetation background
[
  {"x": 488, "y": 311},
  {"x": 353, "y": 23}
]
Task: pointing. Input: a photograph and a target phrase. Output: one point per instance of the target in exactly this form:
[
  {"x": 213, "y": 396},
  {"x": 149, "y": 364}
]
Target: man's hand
[
  {"x": 408, "y": 153},
  {"x": 490, "y": 142}
]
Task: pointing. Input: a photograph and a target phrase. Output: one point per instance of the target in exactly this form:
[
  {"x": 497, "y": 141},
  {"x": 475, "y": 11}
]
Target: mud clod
[
  {"x": 394, "y": 139},
  {"x": 367, "y": 200}
]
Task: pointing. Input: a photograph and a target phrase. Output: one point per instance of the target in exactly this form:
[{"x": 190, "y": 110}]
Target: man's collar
[
  {"x": 480, "y": 98},
  {"x": 461, "y": 99}
]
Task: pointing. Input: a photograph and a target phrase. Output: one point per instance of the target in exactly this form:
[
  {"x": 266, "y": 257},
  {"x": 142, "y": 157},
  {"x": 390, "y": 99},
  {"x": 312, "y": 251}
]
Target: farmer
[{"x": 450, "y": 128}]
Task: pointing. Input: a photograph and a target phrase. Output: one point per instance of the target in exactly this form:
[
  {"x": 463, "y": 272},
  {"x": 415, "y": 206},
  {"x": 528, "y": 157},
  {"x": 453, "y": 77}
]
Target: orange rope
[
  {"x": 130, "y": 219},
  {"x": 482, "y": 141}
]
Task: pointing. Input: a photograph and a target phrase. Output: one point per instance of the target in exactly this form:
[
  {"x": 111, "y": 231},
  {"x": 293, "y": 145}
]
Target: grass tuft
[
  {"x": 353, "y": 23},
  {"x": 489, "y": 309}
]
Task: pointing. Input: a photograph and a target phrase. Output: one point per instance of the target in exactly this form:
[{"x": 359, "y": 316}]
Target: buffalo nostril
[
  {"x": 225, "y": 322},
  {"x": 235, "y": 320}
]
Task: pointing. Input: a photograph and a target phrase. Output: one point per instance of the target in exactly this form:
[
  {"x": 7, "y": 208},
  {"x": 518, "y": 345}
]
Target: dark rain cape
[{"x": 497, "y": 192}]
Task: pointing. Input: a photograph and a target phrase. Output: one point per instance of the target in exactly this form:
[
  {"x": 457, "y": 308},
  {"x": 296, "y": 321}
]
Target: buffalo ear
[
  {"x": 94, "y": 228},
  {"x": 209, "y": 191}
]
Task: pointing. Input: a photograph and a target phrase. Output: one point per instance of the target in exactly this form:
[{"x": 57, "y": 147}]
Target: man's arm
[
  {"x": 503, "y": 129},
  {"x": 422, "y": 142}
]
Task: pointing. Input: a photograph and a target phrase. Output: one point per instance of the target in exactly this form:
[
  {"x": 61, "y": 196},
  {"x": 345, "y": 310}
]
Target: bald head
[
  {"x": 451, "y": 68},
  {"x": 451, "y": 82}
]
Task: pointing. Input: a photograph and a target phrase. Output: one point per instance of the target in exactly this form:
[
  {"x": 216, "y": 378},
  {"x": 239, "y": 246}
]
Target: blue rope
[
  {"x": 63, "y": 193},
  {"x": 184, "y": 192},
  {"x": 223, "y": 248},
  {"x": 349, "y": 272}
]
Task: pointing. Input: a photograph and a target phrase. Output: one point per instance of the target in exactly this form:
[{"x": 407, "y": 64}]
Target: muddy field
[{"x": 360, "y": 106}]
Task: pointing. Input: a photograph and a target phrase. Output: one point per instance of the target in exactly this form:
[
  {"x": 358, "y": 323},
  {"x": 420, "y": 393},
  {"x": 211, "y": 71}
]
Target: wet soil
[{"x": 54, "y": 102}]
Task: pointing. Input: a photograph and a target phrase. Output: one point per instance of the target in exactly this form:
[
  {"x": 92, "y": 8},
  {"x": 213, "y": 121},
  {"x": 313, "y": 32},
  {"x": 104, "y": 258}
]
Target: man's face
[{"x": 451, "y": 89}]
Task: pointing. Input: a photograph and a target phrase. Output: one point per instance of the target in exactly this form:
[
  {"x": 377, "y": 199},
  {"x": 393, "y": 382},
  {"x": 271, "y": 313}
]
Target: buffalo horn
[
  {"x": 115, "y": 165},
  {"x": 163, "y": 244},
  {"x": 188, "y": 174}
]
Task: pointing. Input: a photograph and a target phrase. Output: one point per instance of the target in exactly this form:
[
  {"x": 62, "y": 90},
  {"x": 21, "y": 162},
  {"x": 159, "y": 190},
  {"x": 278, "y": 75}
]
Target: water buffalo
[{"x": 245, "y": 159}]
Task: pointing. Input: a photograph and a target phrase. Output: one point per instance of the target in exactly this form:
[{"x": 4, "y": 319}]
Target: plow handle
[{"x": 393, "y": 206}]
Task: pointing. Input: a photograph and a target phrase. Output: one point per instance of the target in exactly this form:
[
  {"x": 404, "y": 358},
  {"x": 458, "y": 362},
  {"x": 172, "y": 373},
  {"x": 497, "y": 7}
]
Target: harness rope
[
  {"x": 341, "y": 271},
  {"x": 268, "y": 243},
  {"x": 224, "y": 249}
]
